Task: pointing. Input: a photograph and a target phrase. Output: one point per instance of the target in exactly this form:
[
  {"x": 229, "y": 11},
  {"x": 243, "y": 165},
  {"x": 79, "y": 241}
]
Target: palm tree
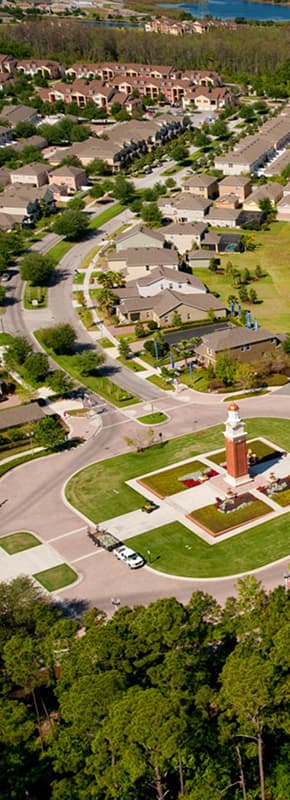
[
  {"x": 107, "y": 299},
  {"x": 184, "y": 350},
  {"x": 111, "y": 279}
]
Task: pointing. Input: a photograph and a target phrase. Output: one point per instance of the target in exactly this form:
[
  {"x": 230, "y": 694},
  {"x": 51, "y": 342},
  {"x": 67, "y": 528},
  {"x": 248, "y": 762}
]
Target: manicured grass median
[
  {"x": 16, "y": 542},
  {"x": 33, "y": 294},
  {"x": 104, "y": 342},
  {"x": 106, "y": 216},
  {"x": 177, "y": 551},
  {"x": 56, "y": 577},
  {"x": 16, "y": 462},
  {"x": 153, "y": 419},
  {"x": 168, "y": 482},
  {"x": 160, "y": 382},
  {"x": 97, "y": 383},
  {"x": 216, "y": 521},
  {"x": 59, "y": 250}
]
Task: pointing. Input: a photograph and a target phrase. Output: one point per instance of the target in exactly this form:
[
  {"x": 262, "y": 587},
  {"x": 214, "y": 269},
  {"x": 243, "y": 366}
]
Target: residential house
[
  {"x": 137, "y": 237},
  {"x": 224, "y": 217},
  {"x": 163, "y": 307},
  {"x": 184, "y": 207},
  {"x": 208, "y": 99},
  {"x": 47, "y": 69},
  {"x": 184, "y": 235},
  {"x": 241, "y": 343},
  {"x": 227, "y": 201},
  {"x": 7, "y": 63},
  {"x": 198, "y": 258},
  {"x": 5, "y": 78},
  {"x": 277, "y": 165},
  {"x": 223, "y": 242},
  {"x": 239, "y": 186},
  {"x": 24, "y": 203},
  {"x": 269, "y": 191},
  {"x": 14, "y": 114},
  {"x": 33, "y": 141},
  {"x": 136, "y": 262},
  {"x": 162, "y": 278},
  {"x": 201, "y": 185},
  {"x": 80, "y": 92},
  {"x": 283, "y": 209},
  {"x": 6, "y": 136},
  {"x": 4, "y": 176},
  {"x": 67, "y": 179},
  {"x": 35, "y": 174},
  {"x": 251, "y": 154}
]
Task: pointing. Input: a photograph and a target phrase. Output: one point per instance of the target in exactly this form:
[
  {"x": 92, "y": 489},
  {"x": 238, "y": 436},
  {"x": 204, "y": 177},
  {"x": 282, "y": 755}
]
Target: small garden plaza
[
  {"x": 22, "y": 553},
  {"x": 213, "y": 498}
]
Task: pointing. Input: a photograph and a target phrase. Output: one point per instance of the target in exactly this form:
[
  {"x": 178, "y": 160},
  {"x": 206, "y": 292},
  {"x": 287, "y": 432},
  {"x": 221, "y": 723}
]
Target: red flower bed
[{"x": 191, "y": 482}]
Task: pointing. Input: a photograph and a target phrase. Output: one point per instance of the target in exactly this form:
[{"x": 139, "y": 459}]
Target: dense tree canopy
[
  {"x": 37, "y": 269},
  {"x": 72, "y": 224},
  {"x": 190, "y": 702}
]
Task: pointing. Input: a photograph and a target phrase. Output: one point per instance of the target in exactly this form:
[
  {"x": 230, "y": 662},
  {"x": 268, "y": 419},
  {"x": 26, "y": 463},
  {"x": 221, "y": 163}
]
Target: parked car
[{"x": 129, "y": 557}]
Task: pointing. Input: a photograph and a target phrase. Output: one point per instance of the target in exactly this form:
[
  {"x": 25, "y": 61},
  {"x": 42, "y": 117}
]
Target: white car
[{"x": 129, "y": 557}]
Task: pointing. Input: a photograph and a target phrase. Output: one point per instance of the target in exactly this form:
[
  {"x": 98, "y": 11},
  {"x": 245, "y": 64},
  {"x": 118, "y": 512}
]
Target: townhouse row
[{"x": 252, "y": 153}]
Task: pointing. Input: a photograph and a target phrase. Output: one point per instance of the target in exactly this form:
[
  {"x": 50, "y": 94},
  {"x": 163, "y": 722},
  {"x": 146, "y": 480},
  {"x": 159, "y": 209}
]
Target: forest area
[
  {"x": 169, "y": 701},
  {"x": 259, "y": 54}
]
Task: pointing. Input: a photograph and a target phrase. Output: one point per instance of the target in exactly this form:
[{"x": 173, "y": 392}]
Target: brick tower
[{"x": 236, "y": 447}]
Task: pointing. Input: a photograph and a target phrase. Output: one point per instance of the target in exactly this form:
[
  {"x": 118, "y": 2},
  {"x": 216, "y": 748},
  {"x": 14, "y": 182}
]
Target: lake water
[{"x": 225, "y": 9}]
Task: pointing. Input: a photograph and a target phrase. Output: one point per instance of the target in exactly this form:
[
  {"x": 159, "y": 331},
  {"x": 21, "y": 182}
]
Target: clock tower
[{"x": 236, "y": 447}]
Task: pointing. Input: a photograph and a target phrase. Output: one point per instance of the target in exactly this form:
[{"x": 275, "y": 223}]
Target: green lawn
[
  {"x": 153, "y": 419},
  {"x": 97, "y": 383},
  {"x": 59, "y": 250},
  {"x": 106, "y": 215},
  {"x": 215, "y": 521},
  {"x": 100, "y": 492},
  {"x": 272, "y": 254},
  {"x": 131, "y": 364},
  {"x": 245, "y": 394},
  {"x": 282, "y": 498},
  {"x": 158, "y": 381},
  {"x": 34, "y": 293},
  {"x": 16, "y": 462},
  {"x": 5, "y": 338},
  {"x": 259, "y": 448},
  {"x": 177, "y": 551},
  {"x": 79, "y": 278},
  {"x": 104, "y": 342},
  {"x": 16, "y": 542},
  {"x": 168, "y": 482},
  {"x": 56, "y": 577}
]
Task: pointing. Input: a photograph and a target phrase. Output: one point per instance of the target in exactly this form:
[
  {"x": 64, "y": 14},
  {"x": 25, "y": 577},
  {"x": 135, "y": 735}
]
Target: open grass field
[
  {"x": 16, "y": 542},
  {"x": 168, "y": 482},
  {"x": 99, "y": 491},
  {"x": 272, "y": 254},
  {"x": 56, "y": 577},
  {"x": 216, "y": 522},
  {"x": 177, "y": 551}
]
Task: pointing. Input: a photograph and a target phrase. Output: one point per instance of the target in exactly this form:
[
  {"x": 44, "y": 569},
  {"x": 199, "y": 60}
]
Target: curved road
[
  {"x": 34, "y": 494},
  {"x": 34, "y": 491}
]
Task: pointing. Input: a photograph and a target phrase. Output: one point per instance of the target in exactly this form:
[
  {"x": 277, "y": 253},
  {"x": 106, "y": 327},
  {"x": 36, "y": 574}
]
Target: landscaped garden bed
[
  {"x": 278, "y": 489},
  {"x": 178, "y": 479},
  {"x": 227, "y": 514}
]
